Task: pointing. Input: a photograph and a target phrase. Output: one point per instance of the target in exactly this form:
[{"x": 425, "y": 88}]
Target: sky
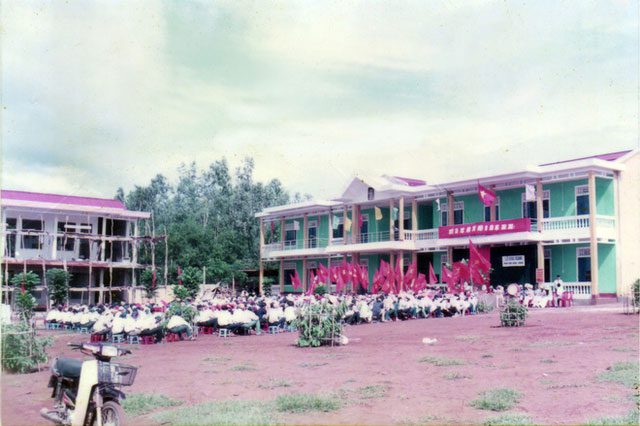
[{"x": 98, "y": 95}]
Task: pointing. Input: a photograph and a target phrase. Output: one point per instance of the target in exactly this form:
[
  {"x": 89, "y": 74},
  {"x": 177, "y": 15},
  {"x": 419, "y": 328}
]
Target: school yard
[{"x": 566, "y": 366}]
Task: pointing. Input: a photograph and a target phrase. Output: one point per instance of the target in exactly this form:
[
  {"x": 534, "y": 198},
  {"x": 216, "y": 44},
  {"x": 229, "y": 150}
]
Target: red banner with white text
[{"x": 485, "y": 228}]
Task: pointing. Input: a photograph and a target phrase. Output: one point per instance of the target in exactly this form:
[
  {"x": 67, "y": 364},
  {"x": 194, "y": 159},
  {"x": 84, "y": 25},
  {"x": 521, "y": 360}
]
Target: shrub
[
  {"x": 180, "y": 293},
  {"x": 321, "y": 289},
  {"x": 191, "y": 280},
  {"x": 496, "y": 399},
  {"x": 22, "y": 350},
  {"x": 319, "y": 324},
  {"x": 58, "y": 282},
  {"x": 625, "y": 373},
  {"x": 509, "y": 419},
  {"x": 25, "y": 303},
  {"x": 441, "y": 362},
  {"x": 187, "y": 312},
  {"x": 513, "y": 314},
  {"x": 636, "y": 293},
  {"x": 484, "y": 307},
  {"x": 146, "y": 279},
  {"x": 300, "y": 403}
]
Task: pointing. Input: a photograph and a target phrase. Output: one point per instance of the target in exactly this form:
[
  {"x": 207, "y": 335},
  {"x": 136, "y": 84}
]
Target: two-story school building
[
  {"x": 578, "y": 219},
  {"x": 94, "y": 239}
]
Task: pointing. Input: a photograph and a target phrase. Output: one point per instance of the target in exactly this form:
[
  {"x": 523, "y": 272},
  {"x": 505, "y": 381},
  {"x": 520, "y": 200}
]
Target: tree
[
  {"x": 58, "y": 280},
  {"x": 191, "y": 279},
  {"x": 25, "y": 281},
  {"x": 146, "y": 278}
]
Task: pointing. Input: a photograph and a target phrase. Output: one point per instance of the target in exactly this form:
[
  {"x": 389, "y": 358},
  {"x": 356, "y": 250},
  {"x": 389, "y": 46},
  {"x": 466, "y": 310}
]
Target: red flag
[
  {"x": 335, "y": 273},
  {"x": 295, "y": 280},
  {"x": 179, "y": 275},
  {"x": 339, "y": 283},
  {"x": 411, "y": 275},
  {"x": 360, "y": 220},
  {"x": 313, "y": 282},
  {"x": 420, "y": 283},
  {"x": 486, "y": 195},
  {"x": 355, "y": 275},
  {"x": 323, "y": 272},
  {"x": 364, "y": 278},
  {"x": 447, "y": 277},
  {"x": 462, "y": 270},
  {"x": 433, "y": 279},
  {"x": 477, "y": 259}
]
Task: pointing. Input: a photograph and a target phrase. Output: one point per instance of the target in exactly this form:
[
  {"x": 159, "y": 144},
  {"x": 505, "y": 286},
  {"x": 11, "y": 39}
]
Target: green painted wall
[
  {"x": 473, "y": 208},
  {"x": 604, "y": 196},
  {"x": 510, "y": 203},
  {"x": 436, "y": 213},
  {"x": 562, "y": 201},
  {"x": 299, "y": 233},
  {"x": 289, "y": 288},
  {"x": 437, "y": 262},
  {"x": 374, "y": 264},
  {"x": 323, "y": 230},
  {"x": 606, "y": 268},
  {"x": 425, "y": 216}
]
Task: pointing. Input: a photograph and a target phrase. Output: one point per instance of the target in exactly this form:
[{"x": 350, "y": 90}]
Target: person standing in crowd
[{"x": 558, "y": 289}]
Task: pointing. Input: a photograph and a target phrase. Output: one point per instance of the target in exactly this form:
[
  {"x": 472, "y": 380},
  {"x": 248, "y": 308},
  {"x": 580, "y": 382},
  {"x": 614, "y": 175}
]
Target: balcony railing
[
  {"x": 369, "y": 237},
  {"x": 581, "y": 290},
  {"x": 422, "y": 235},
  {"x": 576, "y": 222}
]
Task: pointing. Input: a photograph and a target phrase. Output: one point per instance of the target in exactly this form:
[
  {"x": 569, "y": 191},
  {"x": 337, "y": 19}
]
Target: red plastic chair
[
  {"x": 565, "y": 300},
  {"x": 97, "y": 338},
  {"x": 147, "y": 340}
]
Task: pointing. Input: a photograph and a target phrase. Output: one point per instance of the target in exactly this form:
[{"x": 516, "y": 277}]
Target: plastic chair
[
  {"x": 97, "y": 338},
  {"x": 117, "y": 338},
  {"x": 134, "y": 340},
  {"x": 84, "y": 330},
  {"x": 147, "y": 340},
  {"x": 223, "y": 332},
  {"x": 274, "y": 329}
]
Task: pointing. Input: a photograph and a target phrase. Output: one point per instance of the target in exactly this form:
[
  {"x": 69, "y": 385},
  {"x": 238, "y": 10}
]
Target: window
[
  {"x": 364, "y": 230},
  {"x": 487, "y": 211},
  {"x": 584, "y": 264},
  {"x": 290, "y": 234},
  {"x": 458, "y": 213},
  {"x": 66, "y": 243},
  {"x": 370, "y": 194},
  {"x": 85, "y": 252},
  {"x": 530, "y": 210},
  {"x": 31, "y": 242},
  {"x": 407, "y": 220},
  {"x": 289, "y": 269},
  {"x": 10, "y": 225},
  {"x": 312, "y": 234},
  {"x": 582, "y": 200},
  {"x": 338, "y": 227}
]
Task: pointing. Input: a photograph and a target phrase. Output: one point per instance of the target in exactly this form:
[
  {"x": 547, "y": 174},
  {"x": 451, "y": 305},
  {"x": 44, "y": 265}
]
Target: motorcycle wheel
[{"x": 112, "y": 414}]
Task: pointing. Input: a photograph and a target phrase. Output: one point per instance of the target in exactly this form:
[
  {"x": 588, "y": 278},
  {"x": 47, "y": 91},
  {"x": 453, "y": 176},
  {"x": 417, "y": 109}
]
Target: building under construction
[{"x": 96, "y": 240}]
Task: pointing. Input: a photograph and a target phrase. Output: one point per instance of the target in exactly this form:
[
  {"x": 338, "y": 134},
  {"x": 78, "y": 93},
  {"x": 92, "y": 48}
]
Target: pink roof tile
[
  {"x": 410, "y": 181},
  {"x": 61, "y": 199},
  {"x": 611, "y": 156}
]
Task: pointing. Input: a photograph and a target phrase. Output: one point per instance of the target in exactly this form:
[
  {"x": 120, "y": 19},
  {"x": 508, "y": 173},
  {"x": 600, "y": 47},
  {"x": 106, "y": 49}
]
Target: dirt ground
[{"x": 553, "y": 362}]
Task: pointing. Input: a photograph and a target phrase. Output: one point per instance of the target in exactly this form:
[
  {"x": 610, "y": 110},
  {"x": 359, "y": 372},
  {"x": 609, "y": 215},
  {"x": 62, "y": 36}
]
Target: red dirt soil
[{"x": 576, "y": 343}]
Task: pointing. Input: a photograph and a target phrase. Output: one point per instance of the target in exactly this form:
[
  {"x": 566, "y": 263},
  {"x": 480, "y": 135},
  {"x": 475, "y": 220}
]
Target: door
[
  {"x": 312, "y": 237},
  {"x": 364, "y": 231}
]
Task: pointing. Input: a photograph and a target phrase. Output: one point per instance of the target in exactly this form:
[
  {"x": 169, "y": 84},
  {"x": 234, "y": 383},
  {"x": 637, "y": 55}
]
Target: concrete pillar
[
  {"x": 355, "y": 229},
  {"x": 304, "y": 274},
  {"x": 492, "y": 209},
  {"x": 540, "y": 215},
  {"x": 134, "y": 246},
  {"x": 305, "y": 231},
  {"x": 261, "y": 278},
  {"x": 344, "y": 225},
  {"x": 414, "y": 218},
  {"x": 103, "y": 242},
  {"x": 593, "y": 237},
  {"x": 282, "y": 232},
  {"x": 392, "y": 233},
  {"x": 261, "y": 235},
  {"x": 330, "y": 222},
  {"x": 401, "y": 219},
  {"x": 450, "y": 206},
  {"x": 281, "y": 276},
  {"x": 54, "y": 243}
]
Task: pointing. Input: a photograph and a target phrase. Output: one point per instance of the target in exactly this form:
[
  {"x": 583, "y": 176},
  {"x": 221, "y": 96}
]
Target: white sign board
[{"x": 517, "y": 260}]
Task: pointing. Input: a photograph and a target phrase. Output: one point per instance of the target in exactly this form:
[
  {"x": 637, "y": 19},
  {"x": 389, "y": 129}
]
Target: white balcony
[{"x": 577, "y": 228}]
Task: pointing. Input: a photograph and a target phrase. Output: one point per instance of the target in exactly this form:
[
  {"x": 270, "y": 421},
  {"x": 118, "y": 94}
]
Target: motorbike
[{"x": 88, "y": 393}]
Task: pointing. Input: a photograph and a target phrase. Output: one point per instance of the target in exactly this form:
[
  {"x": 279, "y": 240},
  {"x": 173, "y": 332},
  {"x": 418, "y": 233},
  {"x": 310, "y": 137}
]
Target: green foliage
[
  {"x": 509, "y": 419},
  {"x": 372, "y": 391},
  {"x": 454, "y": 375},
  {"x": 221, "y": 413},
  {"x": 27, "y": 281},
  {"x": 146, "y": 279},
  {"x": 209, "y": 216},
  {"x": 484, "y": 307},
  {"x": 513, "y": 314},
  {"x": 25, "y": 303},
  {"x": 181, "y": 293},
  {"x": 22, "y": 350},
  {"x": 441, "y": 362},
  {"x": 302, "y": 403},
  {"x": 632, "y": 418},
  {"x": 187, "y": 312},
  {"x": 496, "y": 399},
  {"x": 243, "y": 367},
  {"x": 319, "y": 324},
  {"x": 191, "y": 280},
  {"x": 137, "y": 404},
  {"x": 321, "y": 290},
  {"x": 273, "y": 383},
  {"x": 625, "y": 373},
  {"x": 58, "y": 283},
  {"x": 636, "y": 293}
]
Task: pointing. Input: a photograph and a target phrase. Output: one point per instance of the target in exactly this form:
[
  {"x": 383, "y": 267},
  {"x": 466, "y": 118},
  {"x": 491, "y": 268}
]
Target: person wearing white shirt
[
  {"x": 53, "y": 316},
  {"x": 178, "y": 325},
  {"x": 151, "y": 326},
  {"x": 290, "y": 313},
  {"x": 558, "y": 289},
  {"x": 132, "y": 326},
  {"x": 275, "y": 315},
  {"x": 117, "y": 326},
  {"x": 103, "y": 324},
  {"x": 364, "y": 310}
]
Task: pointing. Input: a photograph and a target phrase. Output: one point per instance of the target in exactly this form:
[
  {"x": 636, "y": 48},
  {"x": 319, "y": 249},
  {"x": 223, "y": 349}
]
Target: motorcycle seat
[{"x": 68, "y": 367}]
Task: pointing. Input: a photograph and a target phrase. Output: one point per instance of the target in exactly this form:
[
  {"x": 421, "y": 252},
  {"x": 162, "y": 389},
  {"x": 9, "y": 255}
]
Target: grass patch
[
  {"x": 549, "y": 344},
  {"x": 372, "y": 391},
  {"x": 243, "y": 367},
  {"x": 313, "y": 364},
  {"x": 567, "y": 386},
  {"x": 454, "y": 375},
  {"x": 441, "y": 362},
  {"x": 623, "y": 349},
  {"x": 509, "y": 419},
  {"x": 496, "y": 399},
  {"x": 468, "y": 338},
  {"x": 137, "y": 404},
  {"x": 486, "y": 356},
  {"x": 625, "y": 373},
  {"x": 632, "y": 418},
  {"x": 302, "y": 403},
  {"x": 548, "y": 361},
  {"x": 273, "y": 383},
  {"x": 221, "y": 413},
  {"x": 217, "y": 359}
]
